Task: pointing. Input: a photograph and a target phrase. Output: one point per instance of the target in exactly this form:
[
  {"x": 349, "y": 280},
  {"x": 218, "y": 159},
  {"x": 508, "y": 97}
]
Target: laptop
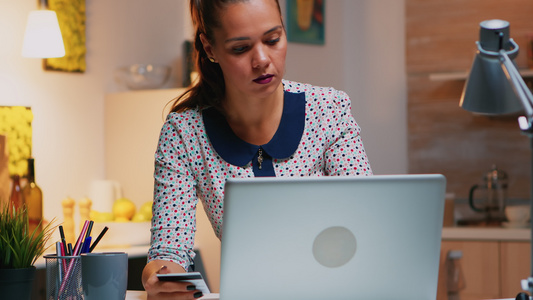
[{"x": 375, "y": 237}]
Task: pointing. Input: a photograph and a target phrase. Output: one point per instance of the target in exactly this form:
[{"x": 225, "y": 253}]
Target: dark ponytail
[{"x": 210, "y": 88}]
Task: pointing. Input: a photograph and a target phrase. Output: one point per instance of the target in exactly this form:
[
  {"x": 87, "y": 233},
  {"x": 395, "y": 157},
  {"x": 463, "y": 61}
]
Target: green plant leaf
[{"x": 20, "y": 248}]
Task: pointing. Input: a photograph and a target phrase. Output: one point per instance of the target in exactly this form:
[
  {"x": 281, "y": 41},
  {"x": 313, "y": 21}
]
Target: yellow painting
[
  {"x": 71, "y": 17},
  {"x": 15, "y": 124}
]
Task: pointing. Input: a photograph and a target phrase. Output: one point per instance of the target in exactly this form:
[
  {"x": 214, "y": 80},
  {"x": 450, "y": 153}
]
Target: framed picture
[
  {"x": 71, "y": 18},
  {"x": 305, "y": 21},
  {"x": 15, "y": 126}
]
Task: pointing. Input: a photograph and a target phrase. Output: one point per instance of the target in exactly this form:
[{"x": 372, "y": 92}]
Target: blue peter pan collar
[{"x": 239, "y": 153}]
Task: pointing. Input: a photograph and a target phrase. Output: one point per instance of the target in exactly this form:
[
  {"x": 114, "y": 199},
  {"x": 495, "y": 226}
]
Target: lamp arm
[
  {"x": 519, "y": 86},
  {"x": 526, "y": 98}
]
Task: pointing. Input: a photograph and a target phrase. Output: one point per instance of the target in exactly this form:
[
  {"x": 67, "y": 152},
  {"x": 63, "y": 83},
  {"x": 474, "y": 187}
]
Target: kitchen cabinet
[
  {"x": 515, "y": 258},
  {"x": 491, "y": 269}
]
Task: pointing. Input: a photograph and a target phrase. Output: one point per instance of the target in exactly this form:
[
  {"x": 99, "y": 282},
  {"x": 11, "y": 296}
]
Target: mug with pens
[{"x": 63, "y": 269}]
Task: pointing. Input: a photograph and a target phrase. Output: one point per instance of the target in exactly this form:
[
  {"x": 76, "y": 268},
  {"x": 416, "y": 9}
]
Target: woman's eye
[
  {"x": 240, "y": 49},
  {"x": 273, "y": 41}
]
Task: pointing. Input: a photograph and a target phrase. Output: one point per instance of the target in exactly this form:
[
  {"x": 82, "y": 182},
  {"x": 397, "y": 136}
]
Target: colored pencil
[{"x": 98, "y": 239}]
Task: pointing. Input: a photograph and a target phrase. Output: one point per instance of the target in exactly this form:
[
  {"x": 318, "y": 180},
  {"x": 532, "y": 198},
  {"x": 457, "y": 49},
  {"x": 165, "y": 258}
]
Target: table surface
[{"x": 141, "y": 295}]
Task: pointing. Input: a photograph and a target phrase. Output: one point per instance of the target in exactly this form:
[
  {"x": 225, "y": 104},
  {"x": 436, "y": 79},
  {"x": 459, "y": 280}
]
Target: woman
[{"x": 240, "y": 120}]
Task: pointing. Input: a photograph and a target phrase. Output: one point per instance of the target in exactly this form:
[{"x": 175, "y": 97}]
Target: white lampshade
[{"x": 42, "y": 38}]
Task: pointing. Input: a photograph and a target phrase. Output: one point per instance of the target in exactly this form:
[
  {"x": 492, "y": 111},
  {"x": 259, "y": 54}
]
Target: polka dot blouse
[{"x": 197, "y": 152}]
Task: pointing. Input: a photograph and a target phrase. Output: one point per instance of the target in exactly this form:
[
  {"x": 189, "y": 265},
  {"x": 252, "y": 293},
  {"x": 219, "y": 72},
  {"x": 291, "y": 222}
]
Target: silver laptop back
[{"x": 374, "y": 237}]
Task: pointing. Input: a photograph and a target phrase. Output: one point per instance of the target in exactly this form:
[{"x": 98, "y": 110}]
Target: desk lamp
[{"x": 494, "y": 86}]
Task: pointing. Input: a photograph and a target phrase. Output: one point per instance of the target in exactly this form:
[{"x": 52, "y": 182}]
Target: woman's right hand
[{"x": 157, "y": 289}]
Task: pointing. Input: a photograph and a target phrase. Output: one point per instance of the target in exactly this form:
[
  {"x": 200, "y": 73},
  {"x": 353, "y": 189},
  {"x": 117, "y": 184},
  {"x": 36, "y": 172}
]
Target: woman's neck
[{"x": 255, "y": 120}]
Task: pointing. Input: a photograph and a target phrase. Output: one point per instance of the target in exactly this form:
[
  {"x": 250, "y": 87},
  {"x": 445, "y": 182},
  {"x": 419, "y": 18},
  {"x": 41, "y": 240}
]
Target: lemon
[
  {"x": 146, "y": 210},
  {"x": 95, "y": 215},
  {"x": 138, "y": 217},
  {"x": 101, "y": 216},
  {"x": 123, "y": 208}
]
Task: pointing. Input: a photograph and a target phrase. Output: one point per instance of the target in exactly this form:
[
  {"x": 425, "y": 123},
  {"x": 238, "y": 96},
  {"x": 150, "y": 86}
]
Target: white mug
[{"x": 103, "y": 193}]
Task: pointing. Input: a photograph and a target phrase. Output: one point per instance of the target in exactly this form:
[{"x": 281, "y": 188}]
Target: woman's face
[{"x": 250, "y": 47}]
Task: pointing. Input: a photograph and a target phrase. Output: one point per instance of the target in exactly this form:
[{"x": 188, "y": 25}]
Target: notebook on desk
[{"x": 374, "y": 237}]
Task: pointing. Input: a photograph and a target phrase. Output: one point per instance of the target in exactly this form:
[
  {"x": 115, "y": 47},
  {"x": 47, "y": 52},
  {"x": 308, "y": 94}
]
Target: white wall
[
  {"x": 364, "y": 55},
  {"x": 68, "y": 127}
]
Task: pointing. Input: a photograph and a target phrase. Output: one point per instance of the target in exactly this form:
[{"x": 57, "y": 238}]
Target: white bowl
[
  {"x": 122, "y": 234},
  {"x": 143, "y": 76},
  {"x": 518, "y": 214}
]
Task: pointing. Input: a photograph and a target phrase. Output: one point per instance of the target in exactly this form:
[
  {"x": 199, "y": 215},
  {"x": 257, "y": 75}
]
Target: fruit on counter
[
  {"x": 97, "y": 216},
  {"x": 139, "y": 218},
  {"x": 123, "y": 208},
  {"x": 146, "y": 210},
  {"x": 144, "y": 214}
]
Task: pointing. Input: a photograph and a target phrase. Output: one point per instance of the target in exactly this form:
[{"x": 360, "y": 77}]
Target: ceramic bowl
[
  {"x": 517, "y": 213},
  {"x": 120, "y": 234},
  {"x": 143, "y": 76}
]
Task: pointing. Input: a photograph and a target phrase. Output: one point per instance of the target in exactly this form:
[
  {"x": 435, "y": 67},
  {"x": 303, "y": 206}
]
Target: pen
[
  {"x": 90, "y": 228},
  {"x": 75, "y": 252},
  {"x": 59, "y": 252},
  {"x": 81, "y": 238},
  {"x": 63, "y": 241},
  {"x": 86, "y": 245},
  {"x": 61, "y": 261},
  {"x": 87, "y": 242},
  {"x": 82, "y": 245},
  {"x": 98, "y": 239}
]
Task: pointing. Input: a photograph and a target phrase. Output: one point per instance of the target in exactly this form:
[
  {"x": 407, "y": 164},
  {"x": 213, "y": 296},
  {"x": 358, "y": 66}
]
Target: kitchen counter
[{"x": 486, "y": 233}]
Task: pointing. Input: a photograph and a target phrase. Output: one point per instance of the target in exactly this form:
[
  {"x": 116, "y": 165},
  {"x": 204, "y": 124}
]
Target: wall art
[
  {"x": 305, "y": 21},
  {"x": 71, "y": 17}
]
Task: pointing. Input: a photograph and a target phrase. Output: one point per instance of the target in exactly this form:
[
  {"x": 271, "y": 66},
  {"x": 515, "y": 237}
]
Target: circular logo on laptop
[{"x": 334, "y": 246}]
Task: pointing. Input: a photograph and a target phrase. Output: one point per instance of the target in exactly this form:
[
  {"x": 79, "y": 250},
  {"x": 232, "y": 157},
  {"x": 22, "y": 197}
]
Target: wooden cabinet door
[
  {"x": 515, "y": 266},
  {"x": 480, "y": 267}
]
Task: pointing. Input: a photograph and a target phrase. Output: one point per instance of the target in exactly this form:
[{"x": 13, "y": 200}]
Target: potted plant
[{"x": 19, "y": 249}]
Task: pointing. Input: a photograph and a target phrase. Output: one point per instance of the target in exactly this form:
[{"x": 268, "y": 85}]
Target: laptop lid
[{"x": 375, "y": 237}]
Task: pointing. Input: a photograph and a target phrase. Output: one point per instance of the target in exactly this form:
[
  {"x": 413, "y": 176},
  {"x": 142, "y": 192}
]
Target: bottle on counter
[
  {"x": 16, "y": 199},
  {"x": 33, "y": 197}
]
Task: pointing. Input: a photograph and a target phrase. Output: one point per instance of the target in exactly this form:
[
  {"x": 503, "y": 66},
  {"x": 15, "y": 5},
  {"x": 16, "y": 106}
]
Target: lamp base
[
  {"x": 527, "y": 285},
  {"x": 522, "y": 296}
]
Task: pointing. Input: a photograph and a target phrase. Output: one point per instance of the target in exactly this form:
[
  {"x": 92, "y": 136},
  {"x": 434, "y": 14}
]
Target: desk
[{"x": 141, "y": 295}]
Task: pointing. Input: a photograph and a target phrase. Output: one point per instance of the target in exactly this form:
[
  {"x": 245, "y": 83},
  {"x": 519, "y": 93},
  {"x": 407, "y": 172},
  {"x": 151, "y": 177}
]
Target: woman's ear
[{"x": 207, "y": 46}]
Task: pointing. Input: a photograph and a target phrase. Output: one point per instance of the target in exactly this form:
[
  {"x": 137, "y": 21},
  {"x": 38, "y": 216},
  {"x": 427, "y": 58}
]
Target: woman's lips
[{"x": 263, "y": 79}]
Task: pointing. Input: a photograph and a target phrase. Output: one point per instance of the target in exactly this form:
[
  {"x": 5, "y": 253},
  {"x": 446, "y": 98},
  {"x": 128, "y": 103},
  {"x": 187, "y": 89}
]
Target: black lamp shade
[{"x": 487, "y": 89}]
